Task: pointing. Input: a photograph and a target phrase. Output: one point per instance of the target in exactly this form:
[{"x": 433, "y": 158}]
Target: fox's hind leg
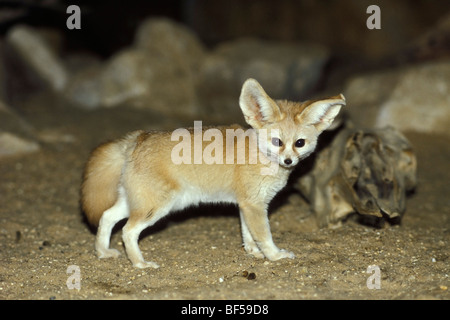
[
  {"x": 130, "y": 236},
  {"x": 108, "y": 220},
  {"x": 151, "y": 195},
  {"x": 145, "y": 211}
]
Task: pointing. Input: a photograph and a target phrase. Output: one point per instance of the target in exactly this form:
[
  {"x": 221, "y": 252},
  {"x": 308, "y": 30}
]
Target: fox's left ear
[{"x": 322, "y": 113}]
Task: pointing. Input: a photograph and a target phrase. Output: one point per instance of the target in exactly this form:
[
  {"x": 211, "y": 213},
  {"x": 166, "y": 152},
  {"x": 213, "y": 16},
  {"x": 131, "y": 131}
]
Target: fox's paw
[
  {"x": 254, "y": 251},
  {"x": 146, "y": 264},
  {"x": 280, "y": 254},
  {"x": 108, "y": 253}
]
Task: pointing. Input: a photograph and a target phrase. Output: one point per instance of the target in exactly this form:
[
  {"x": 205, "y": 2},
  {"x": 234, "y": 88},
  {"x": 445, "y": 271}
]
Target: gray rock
[
  {"x": 3, "y": 78},
  {"x": 11, "y": 145},
  {"x": 147, "y": 80},
  {"x": 285, "y": 70},
  {"x": 38, "y": 56},
  {"x": 84, "y": 88},
  {"x": 158, "y": 72},
  {"x": 366, "y": 93},
  {"x": 10, "y": 121},
  {"x": 16, "y": 135}
]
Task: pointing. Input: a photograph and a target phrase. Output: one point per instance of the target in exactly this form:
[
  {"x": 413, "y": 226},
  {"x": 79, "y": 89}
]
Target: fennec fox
[{"x": 138, "y": 177}]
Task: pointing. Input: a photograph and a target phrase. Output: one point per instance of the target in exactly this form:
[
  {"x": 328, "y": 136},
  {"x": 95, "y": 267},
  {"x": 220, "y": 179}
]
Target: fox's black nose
[{"x": 287, "y": 161}]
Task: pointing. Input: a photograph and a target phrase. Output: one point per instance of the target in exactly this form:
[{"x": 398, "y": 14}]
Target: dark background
[{"x": 340, "y": 25}]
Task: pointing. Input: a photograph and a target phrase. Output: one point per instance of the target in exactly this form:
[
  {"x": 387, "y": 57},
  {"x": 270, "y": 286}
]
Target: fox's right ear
[{"x": 258, "y": 108}]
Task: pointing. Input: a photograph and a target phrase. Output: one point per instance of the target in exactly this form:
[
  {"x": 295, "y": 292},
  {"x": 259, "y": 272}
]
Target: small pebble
[
  {"x": 18, "y": 236},
  {"x": 251, "y": 276}
]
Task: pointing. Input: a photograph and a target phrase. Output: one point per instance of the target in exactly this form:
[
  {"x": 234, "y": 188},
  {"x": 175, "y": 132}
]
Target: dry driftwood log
[{"x": 364, "y": 171}]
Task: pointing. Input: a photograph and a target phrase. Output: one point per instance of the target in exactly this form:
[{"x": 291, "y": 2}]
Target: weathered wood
[{"x": 365, "y": 171}]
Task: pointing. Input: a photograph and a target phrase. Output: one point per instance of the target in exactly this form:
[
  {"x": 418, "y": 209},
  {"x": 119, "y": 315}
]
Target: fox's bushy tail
[{"x": 101, "y": 177}]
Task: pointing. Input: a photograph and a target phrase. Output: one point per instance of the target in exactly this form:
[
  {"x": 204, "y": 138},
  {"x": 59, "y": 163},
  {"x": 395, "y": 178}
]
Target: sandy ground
[{"x": 43, "y": 232}]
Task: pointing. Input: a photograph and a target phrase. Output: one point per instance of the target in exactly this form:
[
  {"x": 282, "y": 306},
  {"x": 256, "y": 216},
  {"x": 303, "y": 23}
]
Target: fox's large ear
[
  {"x": 258, "y": 108},
  {"x": 322, "y": 113}
]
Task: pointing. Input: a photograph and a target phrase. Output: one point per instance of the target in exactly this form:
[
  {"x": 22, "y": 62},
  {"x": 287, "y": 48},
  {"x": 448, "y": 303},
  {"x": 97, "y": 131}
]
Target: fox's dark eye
[
  {"x": 277, "y": 142},
  {"x": 299, "y": 143}
]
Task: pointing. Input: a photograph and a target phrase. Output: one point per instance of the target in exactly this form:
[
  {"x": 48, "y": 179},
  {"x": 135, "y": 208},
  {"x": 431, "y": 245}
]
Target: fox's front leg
[
  {"x": 250, "y": 245},
  {"x": 255, "y": 224}
]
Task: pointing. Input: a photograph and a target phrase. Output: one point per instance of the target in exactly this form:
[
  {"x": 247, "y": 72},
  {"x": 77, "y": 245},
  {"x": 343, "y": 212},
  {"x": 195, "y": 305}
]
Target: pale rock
[
  {"x": 415, "y": 98},
  {"x": 16, "y": 135},
  {"x": 125, "y": 76},
  {"x": 172, "y": 39},
  {"x": 420, "y": 101},
  {"x": 11, "y": 145}
]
